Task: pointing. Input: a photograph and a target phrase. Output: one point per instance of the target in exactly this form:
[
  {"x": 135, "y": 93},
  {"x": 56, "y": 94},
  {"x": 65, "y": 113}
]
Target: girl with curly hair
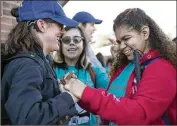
[{"x": 152, "y": 100}]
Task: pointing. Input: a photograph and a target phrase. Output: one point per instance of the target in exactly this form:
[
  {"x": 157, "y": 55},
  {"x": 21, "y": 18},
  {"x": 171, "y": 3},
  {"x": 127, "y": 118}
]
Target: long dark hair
[
  {"x": 135, "y": 18},
  {"x": 21, "y": 39},
  {"x": 82, "y": 56}
]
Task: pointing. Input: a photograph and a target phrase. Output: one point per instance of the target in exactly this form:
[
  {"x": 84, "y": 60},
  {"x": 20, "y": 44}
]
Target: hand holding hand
[
  {"x": 67, "y": 77},
  {"x": 75, "y": 86},
  {"x": 75, "y": 99}
]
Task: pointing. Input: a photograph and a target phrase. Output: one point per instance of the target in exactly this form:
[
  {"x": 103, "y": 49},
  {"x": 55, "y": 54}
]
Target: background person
[
  {"x": 73, "y": 58},
  {"x": 87, "y": 23}
]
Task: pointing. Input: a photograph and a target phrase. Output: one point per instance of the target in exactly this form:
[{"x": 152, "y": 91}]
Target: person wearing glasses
[{"x": 73, "y": 58}]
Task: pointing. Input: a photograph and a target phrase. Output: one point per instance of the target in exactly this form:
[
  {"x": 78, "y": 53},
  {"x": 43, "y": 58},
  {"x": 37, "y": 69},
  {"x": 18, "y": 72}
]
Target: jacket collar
[{"x": 151, "y": 54}]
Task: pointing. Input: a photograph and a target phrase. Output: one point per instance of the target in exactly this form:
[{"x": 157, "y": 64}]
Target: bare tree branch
[{"x": 63, "y": 2}]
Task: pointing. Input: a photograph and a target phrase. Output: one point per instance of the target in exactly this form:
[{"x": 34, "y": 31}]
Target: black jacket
[{"x": 32, "y": 98}]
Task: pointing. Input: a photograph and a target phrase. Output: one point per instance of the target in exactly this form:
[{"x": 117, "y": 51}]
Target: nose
[
  {"x": 122, "y": 45},
  {"x": 72, "y": 42}
]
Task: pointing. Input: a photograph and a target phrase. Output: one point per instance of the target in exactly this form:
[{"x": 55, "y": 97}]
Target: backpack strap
[
  {"x": 151, "y": 60},
  {"x": 165, "y": 119},
  {"x": 145, "y": 64},
  {"x": 92, "y": 75}
]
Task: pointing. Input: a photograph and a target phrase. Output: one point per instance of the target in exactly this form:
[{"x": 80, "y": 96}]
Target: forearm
[
  {"x": 121, "y": 111},
  {"x": 37, "y": 112}
]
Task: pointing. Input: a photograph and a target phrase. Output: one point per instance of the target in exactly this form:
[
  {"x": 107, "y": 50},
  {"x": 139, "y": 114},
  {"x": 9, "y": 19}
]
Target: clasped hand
[{"x": 69, "y": 83}]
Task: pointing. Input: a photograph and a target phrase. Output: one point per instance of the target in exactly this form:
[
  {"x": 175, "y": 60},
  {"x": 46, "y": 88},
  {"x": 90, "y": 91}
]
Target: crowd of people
[{"x": 137, "y": 85}]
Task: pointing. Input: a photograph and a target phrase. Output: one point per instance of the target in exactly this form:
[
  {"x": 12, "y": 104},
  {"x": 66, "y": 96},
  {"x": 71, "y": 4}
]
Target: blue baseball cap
[
  {"x": 36, "y": 9},
  {"x": 85, "y": 17}
]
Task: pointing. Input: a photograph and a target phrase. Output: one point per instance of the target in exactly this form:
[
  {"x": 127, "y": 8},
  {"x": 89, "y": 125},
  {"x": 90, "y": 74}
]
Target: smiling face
[
  {"x": 49, "y": 35},
  {"x": 89, "y": 29},
  {"x": 72, "y": 44},
  {"x": 128, "y": 38},
  {"x": 52, "y": 36}
]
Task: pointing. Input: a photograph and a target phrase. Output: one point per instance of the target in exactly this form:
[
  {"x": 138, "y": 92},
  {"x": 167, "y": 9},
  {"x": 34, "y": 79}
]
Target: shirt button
[
  {"x": 32, "y": 55},
  {"x": 149, "y": 56},
  {"x": 67, "y": 117}
]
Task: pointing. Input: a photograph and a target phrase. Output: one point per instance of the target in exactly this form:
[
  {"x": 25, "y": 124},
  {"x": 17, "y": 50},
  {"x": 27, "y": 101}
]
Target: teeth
[
  {"x": 127, "y": 51},
  {"x": 71, "y": 49}
]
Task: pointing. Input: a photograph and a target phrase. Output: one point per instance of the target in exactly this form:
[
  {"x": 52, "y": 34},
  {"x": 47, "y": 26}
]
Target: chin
[
  {"x": 73, "y": 56},
  {"x": 56, "y": 48},
  {"x": 89, "y": 39},
  {"x": 130, "y": 58}
]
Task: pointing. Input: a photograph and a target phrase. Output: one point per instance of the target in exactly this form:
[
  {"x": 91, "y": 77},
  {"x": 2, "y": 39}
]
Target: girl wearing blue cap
[
  {"x": 73, "y": 58},
  {"x": 30, "y": 91},
  {"x": 87, "y": 23}
]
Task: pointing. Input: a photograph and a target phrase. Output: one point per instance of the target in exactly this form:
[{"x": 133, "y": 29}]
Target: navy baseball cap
[
  {"x": 85, "y": 17},
  {"x": 36, "y": 9}
]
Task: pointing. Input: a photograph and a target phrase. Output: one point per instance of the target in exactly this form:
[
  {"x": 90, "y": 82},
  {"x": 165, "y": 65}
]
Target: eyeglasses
[{"x": 67, "y": 40}]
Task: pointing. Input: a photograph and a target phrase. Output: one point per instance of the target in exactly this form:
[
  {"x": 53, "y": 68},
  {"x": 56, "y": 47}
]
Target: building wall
[{"x": 7, "y": 21}]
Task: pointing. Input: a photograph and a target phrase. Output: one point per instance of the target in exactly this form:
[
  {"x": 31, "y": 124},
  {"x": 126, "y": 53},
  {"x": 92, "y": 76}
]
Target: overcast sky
[{"x": 163, "y": 12}]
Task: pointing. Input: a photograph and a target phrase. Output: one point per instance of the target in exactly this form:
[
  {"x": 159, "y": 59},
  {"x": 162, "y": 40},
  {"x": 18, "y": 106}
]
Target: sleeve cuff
[
  {"x": 64, "y": 102},
  {"x": 87, "y": 94},
  {"x": 67, "y": 97}
]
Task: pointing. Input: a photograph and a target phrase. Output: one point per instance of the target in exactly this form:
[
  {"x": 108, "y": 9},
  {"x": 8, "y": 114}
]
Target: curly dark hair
[{"x": 136, "y": 18}]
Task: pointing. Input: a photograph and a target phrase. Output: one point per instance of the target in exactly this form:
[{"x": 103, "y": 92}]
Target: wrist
[{"x": 80, "y": 93}]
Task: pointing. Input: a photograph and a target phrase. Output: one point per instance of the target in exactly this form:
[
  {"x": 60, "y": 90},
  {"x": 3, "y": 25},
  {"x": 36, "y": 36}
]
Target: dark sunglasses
[{"x": 67, "y": 40}]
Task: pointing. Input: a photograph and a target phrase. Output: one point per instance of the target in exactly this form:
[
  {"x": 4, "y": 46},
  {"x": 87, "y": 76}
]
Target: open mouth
[
  {"x": 127, "y": 52},
  {"x": 72, "y": 49},
  {"x": 91, "y": 35}
]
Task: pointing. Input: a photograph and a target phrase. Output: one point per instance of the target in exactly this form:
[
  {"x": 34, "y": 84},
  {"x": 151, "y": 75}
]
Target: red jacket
[{"x": 156, "y": 94}]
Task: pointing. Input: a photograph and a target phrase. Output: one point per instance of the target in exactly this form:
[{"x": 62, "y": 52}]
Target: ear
[
  {"x": 63, "y": 31},
  {"x": 81, "y": 26},
  {"x": 145, "y": 32},
  {"x": 42, "y": 25}
]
